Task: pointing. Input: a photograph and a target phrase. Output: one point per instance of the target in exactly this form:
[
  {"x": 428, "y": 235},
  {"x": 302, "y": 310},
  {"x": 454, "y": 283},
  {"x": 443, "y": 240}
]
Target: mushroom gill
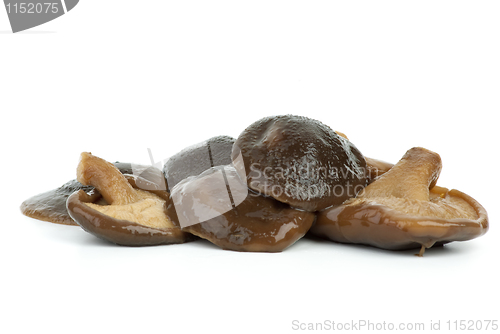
[
  {"x": 51, "y": 205},
  {"x": 124, "y": 215},
  {"x": 404, "y": 209}
]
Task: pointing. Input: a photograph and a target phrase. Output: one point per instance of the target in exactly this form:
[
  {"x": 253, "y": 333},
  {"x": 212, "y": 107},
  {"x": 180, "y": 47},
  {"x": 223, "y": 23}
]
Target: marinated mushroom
[
  {"x": 299, "y": 161},
  {"x": 403, "y": 209},
  {"x": 260, "y": 192},
  {"x": 196, "y": 159},
  {"x": 51, "y": 205},
  {"x": 124, "y": 215},
  {"x": 237, "y": 220}
]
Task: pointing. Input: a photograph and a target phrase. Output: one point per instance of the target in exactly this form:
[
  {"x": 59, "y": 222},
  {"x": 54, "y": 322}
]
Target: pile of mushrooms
[{"x": 282, "y": 178}]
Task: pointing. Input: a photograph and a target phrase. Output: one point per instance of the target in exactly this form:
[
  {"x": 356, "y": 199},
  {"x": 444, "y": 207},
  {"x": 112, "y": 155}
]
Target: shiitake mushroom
[
  {"x": 51, "y": 205},
  {"x": 117, "y": 211},
  {"x": 293, "y": 166},
  {"x": 299, "y": 161},
  {"x": 255, "y": 223},
  {"x": 404, "y": 209},
  {"x": 196, "y": 159}
]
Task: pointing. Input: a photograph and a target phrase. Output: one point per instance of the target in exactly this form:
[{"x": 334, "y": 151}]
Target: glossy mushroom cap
[
  {"x": 118, "y": 212},
  {"x": 299, "y": 161},
  {"x": 218, "y": 207},
  {"x": 51, "y": 205},
  {"x": 404, "y": 209},
  {"x": 196, "y": 159}
]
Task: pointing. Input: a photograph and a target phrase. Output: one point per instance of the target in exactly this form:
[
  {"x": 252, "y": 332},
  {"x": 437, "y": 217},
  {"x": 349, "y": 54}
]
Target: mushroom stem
[
  {"x": 422, "y": 251},
  {"x": 410, "y": 178},
  {"x": 112, "y": 185}
]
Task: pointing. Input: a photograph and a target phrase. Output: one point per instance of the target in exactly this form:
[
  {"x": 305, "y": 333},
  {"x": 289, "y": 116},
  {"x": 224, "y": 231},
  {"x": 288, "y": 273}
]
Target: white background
[{"x": 116, "y": 77}]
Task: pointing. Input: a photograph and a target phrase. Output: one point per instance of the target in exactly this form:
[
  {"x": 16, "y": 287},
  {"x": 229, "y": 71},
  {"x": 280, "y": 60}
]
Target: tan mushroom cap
[
  {"x": 398, "y": 211},
  {"x": 119, "y": 212}
]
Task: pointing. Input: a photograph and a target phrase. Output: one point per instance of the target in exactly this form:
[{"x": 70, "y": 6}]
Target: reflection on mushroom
[
  {"x": 398, "y": 211},
  {"x": 262, "y": 192},
  {"x": 124, "y": 215},
  {"x": 196, "y": 159},
  {"x": 51, "y": 205},
  {"x": 216, "y": 206},
  {"x": 299, "y": 161}
]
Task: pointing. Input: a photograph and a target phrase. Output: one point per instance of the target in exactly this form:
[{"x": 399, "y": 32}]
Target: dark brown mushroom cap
[
  {"x": 51, "y": 205},
  {"x": 255, "y": 223},
  {"x": 196, "y": 159},
  {"x": 404, "y": 209},
  {"x": 300, "y": 161},
  {"x": 120, "y": 231}
]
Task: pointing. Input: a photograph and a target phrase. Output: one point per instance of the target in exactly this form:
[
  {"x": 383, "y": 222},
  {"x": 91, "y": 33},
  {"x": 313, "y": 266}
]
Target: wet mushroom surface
[
  {"x": 118, "y": 212},
  {"x": 255, "y": 223},
  {"x": 404, "y": 209},
  {"x": 283, "y": 177},
  {"x": 299, "y": 161},
  {"x": 196, "y": 159},
  {"x": 51, "y": 205}
]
